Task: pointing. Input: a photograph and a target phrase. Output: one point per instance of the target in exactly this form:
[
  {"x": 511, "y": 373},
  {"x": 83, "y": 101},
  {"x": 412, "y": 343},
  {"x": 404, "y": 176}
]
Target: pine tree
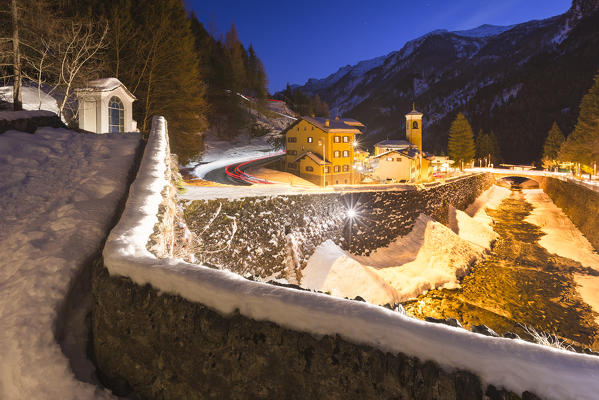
[
  {"x": 582, "y": 146},
  {"x": 461, "y": 147},
  {"x": 487, "y": 148},
  {"x": 552, "y": 145}
]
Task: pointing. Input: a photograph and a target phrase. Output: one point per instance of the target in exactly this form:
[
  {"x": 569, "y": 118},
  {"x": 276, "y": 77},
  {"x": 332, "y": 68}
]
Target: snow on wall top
[{"x": 514, "y": 364}]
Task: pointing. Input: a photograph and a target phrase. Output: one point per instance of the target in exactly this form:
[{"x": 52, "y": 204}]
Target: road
[{"x": 234, "y": 174}]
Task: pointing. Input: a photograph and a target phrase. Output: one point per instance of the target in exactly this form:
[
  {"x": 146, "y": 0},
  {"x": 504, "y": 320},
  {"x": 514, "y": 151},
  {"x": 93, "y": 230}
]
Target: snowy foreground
[
  {"x": 59, "y": 190},
  {"x": 513, "y": 364},
  {"x": 431, "y": 256}
]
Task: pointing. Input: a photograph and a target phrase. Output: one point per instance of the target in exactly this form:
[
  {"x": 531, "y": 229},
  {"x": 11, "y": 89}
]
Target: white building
[{"x": 106, "y": 106}]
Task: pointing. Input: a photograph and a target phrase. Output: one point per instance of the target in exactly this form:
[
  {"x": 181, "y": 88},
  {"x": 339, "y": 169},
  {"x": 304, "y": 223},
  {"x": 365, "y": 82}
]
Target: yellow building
[
  {"x": 321, "y": 150},
  {"x": 400, "y": 160}
]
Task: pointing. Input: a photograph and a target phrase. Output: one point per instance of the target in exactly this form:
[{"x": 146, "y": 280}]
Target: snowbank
[
  {"x": 491, "y": 198},
  {"x": 330, "y": 269},
  {"x": 474, "y": 230},
  {"x": 563, "y": 238},
  {"x": 431, "y": 256},
  {"x": 59, "y": 190},
  {"x": 30, "y": 98},
  {"x": 514, "y": 364}
]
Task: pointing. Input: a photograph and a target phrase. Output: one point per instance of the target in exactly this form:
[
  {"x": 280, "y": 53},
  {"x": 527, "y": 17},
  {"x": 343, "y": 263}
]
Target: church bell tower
[{"x": 414, "y": 127}]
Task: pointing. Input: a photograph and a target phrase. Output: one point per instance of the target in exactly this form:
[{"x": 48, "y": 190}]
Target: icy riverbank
[
  {"x": 430, "y": 256},
  {"x": 563, "y": 238}
]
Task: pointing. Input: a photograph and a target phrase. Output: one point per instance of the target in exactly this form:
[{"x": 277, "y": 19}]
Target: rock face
[{"x": 159, "y": 346}]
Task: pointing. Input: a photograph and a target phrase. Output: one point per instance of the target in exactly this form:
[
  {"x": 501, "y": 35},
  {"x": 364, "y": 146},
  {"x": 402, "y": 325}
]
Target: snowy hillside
[{"x": 32, "y": 99}]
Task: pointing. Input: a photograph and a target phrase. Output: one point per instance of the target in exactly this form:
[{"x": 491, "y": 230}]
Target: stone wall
[
  {"x": 159, "y": 346},
  {"x": 273, "y": 237},
  {"x": 28, "y": 121}
]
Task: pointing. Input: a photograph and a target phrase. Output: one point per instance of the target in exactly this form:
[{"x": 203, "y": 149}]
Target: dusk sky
[{"x": 312, "y": 39}]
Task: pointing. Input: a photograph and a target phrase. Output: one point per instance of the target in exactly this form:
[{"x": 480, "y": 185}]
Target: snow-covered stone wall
[
  {"x": 165, "y": 328},
  {"x": 28, "y": 121}
]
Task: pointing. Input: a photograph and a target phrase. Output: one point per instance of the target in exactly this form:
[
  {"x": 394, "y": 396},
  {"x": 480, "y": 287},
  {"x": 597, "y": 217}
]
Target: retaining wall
[
  {"x": 164, "y": 328},
  {"x": 28, "y": 121}
]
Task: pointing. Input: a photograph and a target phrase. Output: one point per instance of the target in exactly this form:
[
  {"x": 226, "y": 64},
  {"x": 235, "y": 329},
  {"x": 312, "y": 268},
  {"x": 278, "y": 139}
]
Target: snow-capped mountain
[{"x": 514, "y": 80}]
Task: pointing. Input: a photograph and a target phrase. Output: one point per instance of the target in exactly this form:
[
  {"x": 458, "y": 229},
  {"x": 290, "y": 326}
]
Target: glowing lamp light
[
  {"x": 351, "y": 213},
  {"x": 355, "y": 144}
]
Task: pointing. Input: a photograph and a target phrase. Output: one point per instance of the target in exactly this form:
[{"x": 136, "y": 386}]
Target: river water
[{"x": 519, "y": 283}]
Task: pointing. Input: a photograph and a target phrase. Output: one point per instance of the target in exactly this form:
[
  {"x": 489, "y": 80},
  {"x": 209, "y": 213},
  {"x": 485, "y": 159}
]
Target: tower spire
[{"x": 413, "y": 106}]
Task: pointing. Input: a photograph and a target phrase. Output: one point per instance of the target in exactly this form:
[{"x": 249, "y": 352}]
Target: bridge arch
[{"x": 517, "y": 181}]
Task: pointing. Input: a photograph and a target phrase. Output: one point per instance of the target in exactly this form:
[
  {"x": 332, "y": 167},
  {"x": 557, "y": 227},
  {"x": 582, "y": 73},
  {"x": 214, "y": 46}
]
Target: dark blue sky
[{"x": 312, "y": 39}]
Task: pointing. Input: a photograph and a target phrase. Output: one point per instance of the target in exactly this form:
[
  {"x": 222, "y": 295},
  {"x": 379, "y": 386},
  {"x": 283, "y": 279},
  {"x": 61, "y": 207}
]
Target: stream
[{"x": 518, "y": 283}]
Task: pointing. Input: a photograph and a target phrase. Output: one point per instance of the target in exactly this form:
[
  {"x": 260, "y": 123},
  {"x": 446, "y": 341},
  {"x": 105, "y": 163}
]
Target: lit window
[
  {"x": 327, "y": 169},
  {"x": 345, "y": 153},
  {"x": 291, "y": 139},
  {"x": 310, "y": 139},
  {"x": 336, "y": 168},
  {"x": 345, "y": 139},
  {"x": 116, "y": 115},
  {"x": 415, "y": 125},
  {"x": 337, "y": 154},
  {"x": 345, "y": 168},
  {"x": 337, "y": 139},
  {"x": 389, "y": 158}
]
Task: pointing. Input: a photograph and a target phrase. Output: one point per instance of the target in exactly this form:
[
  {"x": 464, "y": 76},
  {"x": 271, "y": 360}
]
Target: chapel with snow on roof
[{"x": 106, "y": 106}]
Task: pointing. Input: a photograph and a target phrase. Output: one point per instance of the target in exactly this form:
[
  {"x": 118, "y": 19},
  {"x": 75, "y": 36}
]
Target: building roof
[
  {"x": 393, "y": 143},
  {"x": 313, "y": 157},
  {"x": 410, "y": 152},
  {"x": 340, "y": 125},
  {"x": 105, "y": 85}
]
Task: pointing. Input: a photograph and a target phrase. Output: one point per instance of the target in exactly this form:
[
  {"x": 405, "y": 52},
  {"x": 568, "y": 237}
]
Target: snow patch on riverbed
[
  {"x": 563, "y": 238},
  {"x": 430, "y": 256},
  {"x": 490, "y": 199},
  {"x": 474, "y": 230}
]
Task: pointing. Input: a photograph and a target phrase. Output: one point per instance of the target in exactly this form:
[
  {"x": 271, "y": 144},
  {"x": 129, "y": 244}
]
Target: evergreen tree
[
  {"x": 552, "y": 145},
  {"x": 582, "y": 146},
  {"x": 461, "y": 147},
  {"x": 487, "y": 148}
]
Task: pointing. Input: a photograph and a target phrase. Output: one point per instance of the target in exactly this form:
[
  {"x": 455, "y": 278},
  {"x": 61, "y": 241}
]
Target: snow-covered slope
[
  {"x": 59, "y": 190},
  {"x": 32, "y": 99}
]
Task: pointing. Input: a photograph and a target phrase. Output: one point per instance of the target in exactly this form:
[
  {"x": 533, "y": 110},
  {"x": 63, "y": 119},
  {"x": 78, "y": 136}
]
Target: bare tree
[{"x": 16, "y": 93}]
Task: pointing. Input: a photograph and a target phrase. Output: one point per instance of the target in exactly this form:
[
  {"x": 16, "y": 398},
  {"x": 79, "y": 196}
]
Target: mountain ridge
[{"x": 484, "y": 72}]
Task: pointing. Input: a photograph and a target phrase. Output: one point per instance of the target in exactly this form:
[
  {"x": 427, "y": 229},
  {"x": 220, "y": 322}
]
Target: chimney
[
  {"x": 337, "y": 117},
  {"x": 327, "y": 123}
]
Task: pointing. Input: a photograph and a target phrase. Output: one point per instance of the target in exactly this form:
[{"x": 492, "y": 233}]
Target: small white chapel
[{"x": 106, "y": 106}]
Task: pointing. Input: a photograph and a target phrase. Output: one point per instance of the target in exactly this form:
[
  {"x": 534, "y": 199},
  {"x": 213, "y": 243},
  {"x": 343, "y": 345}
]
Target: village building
[
  {"x": 403, "y": 160},
  {"x": 106, "y": 106},
  {"x": 321, "y": 150}
]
